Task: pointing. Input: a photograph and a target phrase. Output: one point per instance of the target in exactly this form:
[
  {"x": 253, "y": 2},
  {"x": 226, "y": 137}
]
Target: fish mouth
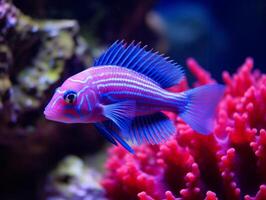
[
  {"x": 53, "y": 116},
  {"x": 50, "y": 115}
]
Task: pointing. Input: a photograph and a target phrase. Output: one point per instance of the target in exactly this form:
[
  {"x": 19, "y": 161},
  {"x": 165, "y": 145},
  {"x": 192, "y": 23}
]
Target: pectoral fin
[{"x": 120, "y": 114}]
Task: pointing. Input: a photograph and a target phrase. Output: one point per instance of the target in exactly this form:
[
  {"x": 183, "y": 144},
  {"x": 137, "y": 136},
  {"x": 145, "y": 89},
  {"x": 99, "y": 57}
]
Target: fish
[{"x": 124, "y": 94}]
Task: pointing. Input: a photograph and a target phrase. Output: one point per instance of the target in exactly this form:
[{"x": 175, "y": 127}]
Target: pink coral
[{"x": 228, "y": 164}]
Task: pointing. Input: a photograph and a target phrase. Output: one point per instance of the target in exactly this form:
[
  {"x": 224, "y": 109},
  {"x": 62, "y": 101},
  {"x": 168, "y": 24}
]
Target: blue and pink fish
[{"x": 124, "y": 94}]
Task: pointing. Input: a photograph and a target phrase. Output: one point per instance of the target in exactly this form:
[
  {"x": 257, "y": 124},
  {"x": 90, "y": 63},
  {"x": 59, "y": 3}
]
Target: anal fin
[{"x": 151, "y": 129}]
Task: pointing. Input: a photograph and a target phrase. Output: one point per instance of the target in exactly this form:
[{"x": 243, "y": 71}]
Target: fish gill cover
[{"x": 229, "y": 164}]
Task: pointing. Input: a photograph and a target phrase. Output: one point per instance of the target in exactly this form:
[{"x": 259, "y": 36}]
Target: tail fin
[{"x": 197, "y": 107}]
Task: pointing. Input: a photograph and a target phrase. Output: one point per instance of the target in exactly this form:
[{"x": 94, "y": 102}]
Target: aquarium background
[
  {"x": 220, "y": 34},
  {"x": 43, "y": 42}
]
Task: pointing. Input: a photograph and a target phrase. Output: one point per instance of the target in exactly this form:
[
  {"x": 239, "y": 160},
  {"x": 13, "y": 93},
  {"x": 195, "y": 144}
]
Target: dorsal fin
[{"x": 133, "y": 56}]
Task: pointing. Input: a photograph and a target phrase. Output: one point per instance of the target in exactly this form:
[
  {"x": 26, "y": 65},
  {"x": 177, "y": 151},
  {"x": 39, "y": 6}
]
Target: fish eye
[{"x": 70, "y": 96}]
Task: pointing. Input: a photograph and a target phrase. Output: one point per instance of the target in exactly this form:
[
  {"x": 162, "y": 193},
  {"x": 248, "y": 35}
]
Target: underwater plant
[{"x": 228, "y": 164}]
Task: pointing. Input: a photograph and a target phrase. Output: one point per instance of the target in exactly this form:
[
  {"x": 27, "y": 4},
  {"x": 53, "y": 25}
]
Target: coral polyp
[{"x": 227, "y": 164}]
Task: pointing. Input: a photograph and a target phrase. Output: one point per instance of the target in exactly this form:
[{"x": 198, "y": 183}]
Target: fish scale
[{"x": 123, "y": 84}]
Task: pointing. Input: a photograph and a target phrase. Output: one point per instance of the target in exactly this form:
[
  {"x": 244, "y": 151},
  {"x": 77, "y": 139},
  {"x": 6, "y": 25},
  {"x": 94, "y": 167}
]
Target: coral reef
[
  {"x": 228, "y": 164},
  {"x": 72, "y": 179},
  {"x": 34, "y": 54}
]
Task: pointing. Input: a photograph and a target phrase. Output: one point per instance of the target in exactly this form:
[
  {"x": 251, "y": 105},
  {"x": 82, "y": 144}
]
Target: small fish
[{"x": 124, "y": 94}]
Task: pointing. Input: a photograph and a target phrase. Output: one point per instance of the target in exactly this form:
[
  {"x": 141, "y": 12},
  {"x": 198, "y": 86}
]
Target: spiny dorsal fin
[{"x": 152, "y": 64}]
